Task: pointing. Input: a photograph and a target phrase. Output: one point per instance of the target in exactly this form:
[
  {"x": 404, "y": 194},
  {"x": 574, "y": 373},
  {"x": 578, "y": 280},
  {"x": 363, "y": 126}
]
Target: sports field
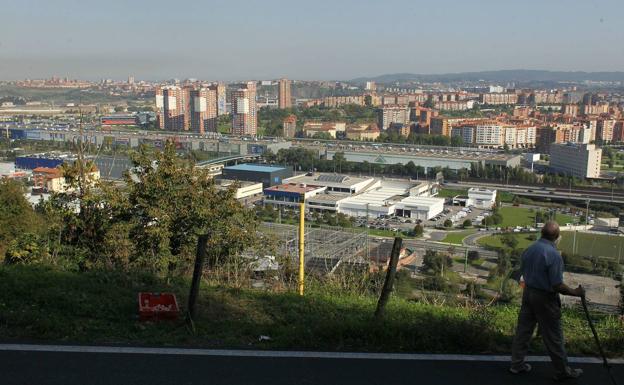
[{"x": 587, "y": 244}]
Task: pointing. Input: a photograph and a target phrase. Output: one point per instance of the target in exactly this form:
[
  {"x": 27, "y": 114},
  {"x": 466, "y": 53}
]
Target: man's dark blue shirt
[{"x": 542, "y": 265}]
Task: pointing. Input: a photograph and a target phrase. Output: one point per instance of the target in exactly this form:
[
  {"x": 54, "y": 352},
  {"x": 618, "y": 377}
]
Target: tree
[
  {"x": 170, "y": 204},
  {"x": 418, "y": 230},
  {"x": 26, "y": 248},
  {"x": 448, "y": 223},
  {"x": 509, "y": 240},
  {"x": 435, "y": 262},
  {"x": 503, "y": 264},
  {"x": 473, "y": 255},
  {"x": 17, "y": 216},
  {"x": 467, "y": 223}
]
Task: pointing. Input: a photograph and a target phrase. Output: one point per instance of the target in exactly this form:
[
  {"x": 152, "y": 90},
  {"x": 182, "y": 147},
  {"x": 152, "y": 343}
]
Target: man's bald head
[{"x": 550, "y": 231}]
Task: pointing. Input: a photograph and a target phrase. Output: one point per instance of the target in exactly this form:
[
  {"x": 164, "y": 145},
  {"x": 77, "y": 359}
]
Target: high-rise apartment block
[
  {"x": 244, "y": 111},
  {"x": 393, "y": 114},
  {"x": 290, "y": 126},
  {"x": 175, "y": 108},
  {"x": 203, "y": 110},
  {"x": 578, "y": 160},
  {"x": 221, "y": 98},
  {"x": 571, "y": 109},
  {"x": 604, "y": 130},
  {"x": 160, "y": 108},
  {"x": 283, "y": 94}
]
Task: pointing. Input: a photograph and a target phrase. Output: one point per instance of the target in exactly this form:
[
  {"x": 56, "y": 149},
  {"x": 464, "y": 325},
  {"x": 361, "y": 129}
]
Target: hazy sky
[{"x": 319, "y": 39}]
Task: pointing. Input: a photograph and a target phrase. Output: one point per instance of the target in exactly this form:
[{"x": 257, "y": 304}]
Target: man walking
[{"x": 542, "y": 269}]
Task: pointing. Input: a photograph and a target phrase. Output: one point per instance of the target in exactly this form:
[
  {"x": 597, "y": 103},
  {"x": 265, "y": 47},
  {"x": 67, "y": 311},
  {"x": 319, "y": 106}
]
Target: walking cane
[{"x": 593, "y": 329}]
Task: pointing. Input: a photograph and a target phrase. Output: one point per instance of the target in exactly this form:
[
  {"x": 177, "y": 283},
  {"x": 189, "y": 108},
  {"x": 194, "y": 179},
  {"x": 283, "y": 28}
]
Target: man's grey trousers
[{"x": 544, "y": 309}]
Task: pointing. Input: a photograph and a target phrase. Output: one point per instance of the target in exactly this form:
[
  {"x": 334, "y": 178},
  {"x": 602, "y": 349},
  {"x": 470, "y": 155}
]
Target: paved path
[{"x": 39, "y": 365}]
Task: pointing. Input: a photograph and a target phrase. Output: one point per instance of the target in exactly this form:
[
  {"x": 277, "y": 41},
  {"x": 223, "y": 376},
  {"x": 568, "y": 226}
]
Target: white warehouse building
[
  {"x": 419, "y": 207},
  {"x": 391, "y": 200},
  {"x": 481, "y": 198},
  {"x": 375, "y": 203}
]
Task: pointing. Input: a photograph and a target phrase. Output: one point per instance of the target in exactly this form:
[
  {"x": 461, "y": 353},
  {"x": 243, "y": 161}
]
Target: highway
[
  {"x": 68, "y": 365},
  {"x": 577, "y": 194}
]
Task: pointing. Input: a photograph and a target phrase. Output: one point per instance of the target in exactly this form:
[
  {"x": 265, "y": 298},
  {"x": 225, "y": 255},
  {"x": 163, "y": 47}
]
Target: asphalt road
[{"x": 67, "y": 368}]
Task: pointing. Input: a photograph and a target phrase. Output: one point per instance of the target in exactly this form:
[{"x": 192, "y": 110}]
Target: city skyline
[{"x": 319, "y": 41}]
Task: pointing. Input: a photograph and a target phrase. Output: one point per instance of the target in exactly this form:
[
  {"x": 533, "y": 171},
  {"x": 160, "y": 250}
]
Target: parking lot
[{"x": 457, "y": 214}]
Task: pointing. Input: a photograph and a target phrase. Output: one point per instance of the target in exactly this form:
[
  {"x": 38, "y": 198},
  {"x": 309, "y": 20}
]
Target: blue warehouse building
[{"x": 268, "y": 175}]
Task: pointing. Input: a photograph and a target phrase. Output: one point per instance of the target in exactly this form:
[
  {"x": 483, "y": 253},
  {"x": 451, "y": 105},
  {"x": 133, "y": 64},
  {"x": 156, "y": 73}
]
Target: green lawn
[
  {"x": 44, "y": 305},
  {"x": 456, "y": 237},
  {"x": 586, "y": 244},
  {"x": 495, "y": 241},
  {"x": 450, "y": 193},
  {"x": 519, "y": 216}
]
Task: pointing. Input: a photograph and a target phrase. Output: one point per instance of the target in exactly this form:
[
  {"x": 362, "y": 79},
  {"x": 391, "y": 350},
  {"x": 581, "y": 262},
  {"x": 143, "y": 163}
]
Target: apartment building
[
  {"x": 176, "y": 108},
  {"x": 363, "y": 132},
  {"x": 337, "y": 101},
  {"x": 453, "y": 105},
  {"x": 604, "y": 130},
  {"x": 221, "y": 98},
  {"x": 203, "y": 110},
  {"x": 289, "y": 126},
  {"x": 331, "y": 128},
  {"x": 160, "y": 108},
  {"x": 283, "y": 94},
  {"x": 489, "y": 135},
  {"x": 498, "y": 98},
  {"x": 393, "y": 114},
  {"x": 602, "y": 108},
  {"x": 244, "y": 110},
  {"x": 571, "y": 109},
  {"x": 575, "y": 159}
]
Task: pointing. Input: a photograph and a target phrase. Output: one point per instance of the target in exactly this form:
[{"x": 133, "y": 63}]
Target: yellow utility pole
[{"x": 302, "y": 244}]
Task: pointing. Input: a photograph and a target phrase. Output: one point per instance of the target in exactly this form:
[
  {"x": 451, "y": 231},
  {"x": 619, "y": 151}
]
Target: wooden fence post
[{"x": 389, "y": 282}]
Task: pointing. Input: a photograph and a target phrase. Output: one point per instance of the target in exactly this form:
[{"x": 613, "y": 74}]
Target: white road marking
[{"x": 283, "y": 354}]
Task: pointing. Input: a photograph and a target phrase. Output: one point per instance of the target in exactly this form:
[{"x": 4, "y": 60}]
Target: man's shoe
[
  {"x": 525, "y": 368},
  {"x": 570, "y": 374}
]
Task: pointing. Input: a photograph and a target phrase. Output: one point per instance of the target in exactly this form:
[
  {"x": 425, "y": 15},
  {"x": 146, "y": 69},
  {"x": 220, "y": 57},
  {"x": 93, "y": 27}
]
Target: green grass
[
  {"x": 519, "y": 216},
  {"x": 40, "y": 304},
  {"x": 457, "y": 237},
  {"x": 495, "y": 241},
  {"x": 505, "y": 196},
  {"x": 586, "y": 244},
  {"x": 450, "y": 193},
  {"x": 593, "y": 244}
]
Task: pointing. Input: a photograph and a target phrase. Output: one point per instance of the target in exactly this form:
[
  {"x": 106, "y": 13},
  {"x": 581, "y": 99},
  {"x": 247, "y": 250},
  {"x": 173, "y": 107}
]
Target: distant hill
[{"x": 500, "y": 76}]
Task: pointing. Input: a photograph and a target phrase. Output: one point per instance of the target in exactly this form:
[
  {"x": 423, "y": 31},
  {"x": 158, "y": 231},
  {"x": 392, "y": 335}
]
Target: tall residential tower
[
  {"x": 284, "y": 94},
  {"x": 244, "y": 111}
]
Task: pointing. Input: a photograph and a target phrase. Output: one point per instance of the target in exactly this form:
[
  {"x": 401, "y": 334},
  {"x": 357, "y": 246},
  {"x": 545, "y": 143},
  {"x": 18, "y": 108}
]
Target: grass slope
[{"x": 45, "y": 305}]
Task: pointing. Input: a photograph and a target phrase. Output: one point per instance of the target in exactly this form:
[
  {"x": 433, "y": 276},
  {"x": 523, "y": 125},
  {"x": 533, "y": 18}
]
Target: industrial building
[
  {"x": 290, "y": 194},
  {"x": 335, "y": 182},
  {"x": 48, "y": 160},
  {"x": 419, "y": 208},
  {"x": 244, "y": 190},
  {"x": 119, "y": 120},
  {"x": 454, "y": 159},
  {"x": 265, "y": 174},
  {"x": 481, "y": 198},
  {"x": 406, "y": 199}
]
